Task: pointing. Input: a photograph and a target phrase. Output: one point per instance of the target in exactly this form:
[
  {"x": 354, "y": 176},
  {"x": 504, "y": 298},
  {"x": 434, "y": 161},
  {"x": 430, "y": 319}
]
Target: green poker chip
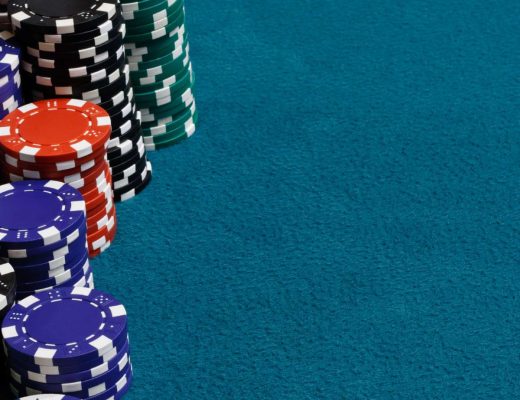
[
  {"x": 160, "y": 113},
  {"x": 174, "y": 54},
  {"x": 158, "y": 48},
  {"x": 156, "y": 34},
  {"x": 144, "y": 10},
  {"x": 167, "y": 141},
  {"x": 159, "y": 55},
  {"x": 167, "y": 124},
  {"x": 155, "y": 21},
  {"x": 166, "y": 94},
  {"x": 163, "y": 82}
]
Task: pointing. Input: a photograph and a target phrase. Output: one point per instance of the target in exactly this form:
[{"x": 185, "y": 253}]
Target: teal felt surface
[{"x": 344, "y": 223}]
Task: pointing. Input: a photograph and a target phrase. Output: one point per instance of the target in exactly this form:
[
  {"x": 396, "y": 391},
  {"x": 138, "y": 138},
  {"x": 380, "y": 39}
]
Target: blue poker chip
[
  {"x": 65, "y": 278},
  {"x": 9, "y": 58},
  {"x": 9, "y": 85},
  {"x": 116, "y": 392},
  {"x": 60, "y": 211},
  {"x": 79, "y": 235},
  {"x": 82, "y": 389},
  {"x": 55, "y": 373},
  {"x": 48, "y": 397},
  {"x": 67, "y": 326},
  {"x": 75, "y": 379},
  {"x": 73, "y": 248},
  {"x": 47, "y": 270},
  {"x": 79, "y": 279}
]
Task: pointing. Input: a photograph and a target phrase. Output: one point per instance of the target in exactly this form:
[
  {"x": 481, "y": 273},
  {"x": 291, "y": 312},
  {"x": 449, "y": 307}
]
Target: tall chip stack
[
  {"x": 10, "y": 91},
  {"x": 64, "y": 140},
  {"x": 74, "y": 49},
  {"x": 157, "y": 50},
  {"x": 43, "y": 236},
  {"x": 70, "y": 341}
]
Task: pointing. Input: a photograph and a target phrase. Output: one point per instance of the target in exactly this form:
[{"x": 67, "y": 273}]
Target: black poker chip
[
  {"x": 72, "y": 72},
  {"x": 50, "y": 47},
  {"x": 60, "y": 17},
  {"x": 96, "y": 77},
  {"x": 76, "y": 56},
  {"x": 75, "y": 90},
  {"x": 7, "y": 286},
  {"x": 30, "y": 36}
]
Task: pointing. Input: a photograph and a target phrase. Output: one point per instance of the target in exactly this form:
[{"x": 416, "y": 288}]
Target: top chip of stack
[
  {"x": 158, "y": 55},
  {"x": 71, "y": 341},
  {"x": 75, "y": 49},
  {"x": 10, "y": 91},
  {"x": 64, "y": 140},
  {"x": 43, "y": 235}
]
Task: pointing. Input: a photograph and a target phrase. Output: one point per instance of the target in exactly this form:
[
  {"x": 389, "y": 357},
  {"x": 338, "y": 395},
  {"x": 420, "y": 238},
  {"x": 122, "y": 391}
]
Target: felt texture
[{"x": 344, "y": 223}]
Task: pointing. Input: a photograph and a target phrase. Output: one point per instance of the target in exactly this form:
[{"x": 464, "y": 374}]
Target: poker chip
[
  {"x": 76, "y": 50},
  {"x": 10, "y": 79},
  {"x": 72, "y": 341},
  {"x": 60, "y": 140},
  {"x": 157, "y": 50},
  {"x": 33, "y": 239}
]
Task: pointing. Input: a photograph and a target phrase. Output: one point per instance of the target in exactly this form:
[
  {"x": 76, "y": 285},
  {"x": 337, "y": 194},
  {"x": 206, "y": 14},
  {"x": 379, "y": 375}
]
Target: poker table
[{"x": 344, "y": 222}]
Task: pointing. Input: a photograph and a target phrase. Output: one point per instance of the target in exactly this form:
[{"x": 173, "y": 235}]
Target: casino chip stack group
[
  {"x": 64, "y": 140},
  {"x": 160, "y": 69},
  {"x": 69, "y": 341},
  {"x": 10, "y": 92},
  {"x": 43, "y": 236},
  {"x": 75, "y": 49}
]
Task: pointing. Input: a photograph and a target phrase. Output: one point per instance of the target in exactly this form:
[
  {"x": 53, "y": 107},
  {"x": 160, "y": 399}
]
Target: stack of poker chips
[
  {"x": 160, "y": 69},
  {"x": 64, "y": 140},
  {"x": 75, "y": 49},
  {"x": 43, "y": 235},
  {"x": 10, "y": 92},
  {"x": 71, "y": 341},
  {"x": 7, "y": 298}
]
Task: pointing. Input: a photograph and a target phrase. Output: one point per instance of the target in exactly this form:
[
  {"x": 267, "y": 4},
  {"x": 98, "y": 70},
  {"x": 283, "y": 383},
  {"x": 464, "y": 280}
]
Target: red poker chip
[
  {"x": 64, "y": 166},
  {"x": 99, "y": 226},
  {"x": 85, "y": 182},
  {"x": 99, "y": 238},
  {"x": 102, "y": 210},
  {"x": 98, "y": 195},
  {"x": 55, "y": 130},
  {"x": 64, "y": 176},
  {"x": 111, "y": 237}
]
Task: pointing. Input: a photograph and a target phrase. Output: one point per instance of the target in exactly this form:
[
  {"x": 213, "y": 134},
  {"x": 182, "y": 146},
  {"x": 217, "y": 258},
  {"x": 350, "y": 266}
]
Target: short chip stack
[
  {"x": 75, "y": 49},
  {"x": 70, "y": 341},
  {"x": 10, "y": 92},
  {"x": 160, "y": 69},
  {"x": 64, "y": 140},
  {"x": 43, "y": 235}
]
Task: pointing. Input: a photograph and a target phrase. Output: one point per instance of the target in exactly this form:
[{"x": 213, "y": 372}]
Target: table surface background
[{"x": 344, "y": 224}]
